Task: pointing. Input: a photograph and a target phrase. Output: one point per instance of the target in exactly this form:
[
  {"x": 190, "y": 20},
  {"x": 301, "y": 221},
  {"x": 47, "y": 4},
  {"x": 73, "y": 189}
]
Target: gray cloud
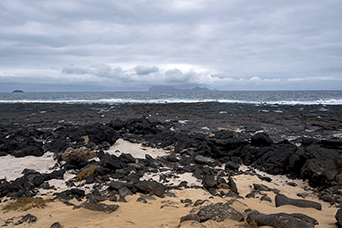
[
  {"x": 141, "y": 70},
  {"x": 225, "y": 44}
]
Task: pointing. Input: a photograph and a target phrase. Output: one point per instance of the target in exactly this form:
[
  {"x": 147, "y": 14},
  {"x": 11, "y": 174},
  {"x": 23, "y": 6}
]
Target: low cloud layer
[{"x": 115, "y": 45}]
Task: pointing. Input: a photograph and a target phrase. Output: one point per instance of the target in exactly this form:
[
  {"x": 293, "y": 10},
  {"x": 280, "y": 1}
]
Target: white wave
[{"x": 177, "y": 100}]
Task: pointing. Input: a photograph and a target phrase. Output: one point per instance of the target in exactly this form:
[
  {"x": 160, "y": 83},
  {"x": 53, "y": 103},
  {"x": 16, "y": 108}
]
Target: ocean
[{"x": 248, "y": 97}]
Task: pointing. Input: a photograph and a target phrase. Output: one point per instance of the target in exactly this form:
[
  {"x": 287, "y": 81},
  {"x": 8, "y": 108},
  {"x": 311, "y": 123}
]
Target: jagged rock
[
  {"x": 282, "y": 220},
  {"x": 151, "y": 187},
  {"x": 281, "y": 200},
  {"x": 82, "y": 152},
  {"x": 112, "y": 162}
]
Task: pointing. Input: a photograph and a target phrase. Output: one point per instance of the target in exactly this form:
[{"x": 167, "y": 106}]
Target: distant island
[
  {"x": 17, "y": 91},
  {"x": 172, "y": 89}
]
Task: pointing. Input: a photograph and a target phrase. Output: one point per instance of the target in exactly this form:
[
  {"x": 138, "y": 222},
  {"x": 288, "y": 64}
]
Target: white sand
[
  {"x": 135, "y": 149},
  {"x": 11, "y": 167}
]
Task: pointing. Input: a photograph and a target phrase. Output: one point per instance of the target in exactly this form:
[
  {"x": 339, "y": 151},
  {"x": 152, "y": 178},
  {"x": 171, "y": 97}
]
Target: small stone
[{"x": 56, "y": 225}]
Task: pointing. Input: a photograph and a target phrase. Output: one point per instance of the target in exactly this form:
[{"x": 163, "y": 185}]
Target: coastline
[
  {"x": 149, "y": 125},
  {"x": 279, "y": 121}
]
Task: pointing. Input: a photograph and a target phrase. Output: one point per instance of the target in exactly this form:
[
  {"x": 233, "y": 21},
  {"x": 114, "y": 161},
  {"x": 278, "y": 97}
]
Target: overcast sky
[{"x": 87, "y": 45}]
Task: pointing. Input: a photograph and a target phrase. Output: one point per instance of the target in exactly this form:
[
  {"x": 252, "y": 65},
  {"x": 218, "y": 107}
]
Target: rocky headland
[{"x": 195, "y": 165}]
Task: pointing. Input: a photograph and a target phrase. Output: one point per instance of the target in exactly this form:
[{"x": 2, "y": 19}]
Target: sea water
[{"x": 252, "y": 97}]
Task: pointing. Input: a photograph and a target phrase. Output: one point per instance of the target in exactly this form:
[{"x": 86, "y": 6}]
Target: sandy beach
[{"x": 161, "y": 212}]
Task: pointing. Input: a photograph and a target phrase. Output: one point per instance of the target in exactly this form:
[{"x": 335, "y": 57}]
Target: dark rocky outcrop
[
  {"x": 321, "y": 166},
  {"x": 195, "y": 152}
]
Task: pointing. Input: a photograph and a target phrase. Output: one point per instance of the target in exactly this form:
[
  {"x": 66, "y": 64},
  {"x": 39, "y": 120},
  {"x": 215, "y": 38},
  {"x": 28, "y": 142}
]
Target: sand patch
[
  {"x": 135, "y": 149},
  {"x": 12, "y": 167},
  {"x": 156, "y": 214}
]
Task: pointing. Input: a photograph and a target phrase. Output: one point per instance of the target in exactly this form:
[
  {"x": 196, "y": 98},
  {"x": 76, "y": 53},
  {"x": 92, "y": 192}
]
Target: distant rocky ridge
[
  {"x": 172, "y": 89},
  {"x": 17, "y": 91}
]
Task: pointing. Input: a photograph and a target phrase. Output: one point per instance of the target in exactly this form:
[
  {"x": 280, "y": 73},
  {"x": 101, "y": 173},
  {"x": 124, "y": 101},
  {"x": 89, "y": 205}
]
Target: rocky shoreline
[{"x": 209, "y": 141}]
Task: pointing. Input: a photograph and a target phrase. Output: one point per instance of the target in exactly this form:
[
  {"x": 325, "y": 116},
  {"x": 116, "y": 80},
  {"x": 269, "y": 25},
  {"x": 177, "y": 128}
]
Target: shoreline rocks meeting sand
[{"x": 172, "y": 165}]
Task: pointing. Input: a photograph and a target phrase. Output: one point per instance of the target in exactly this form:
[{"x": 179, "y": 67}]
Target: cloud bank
[{"x": 115, "y": 45}]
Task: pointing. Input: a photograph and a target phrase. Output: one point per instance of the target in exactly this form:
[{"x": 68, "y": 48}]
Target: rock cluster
[{"x": 319, "y": 161}]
